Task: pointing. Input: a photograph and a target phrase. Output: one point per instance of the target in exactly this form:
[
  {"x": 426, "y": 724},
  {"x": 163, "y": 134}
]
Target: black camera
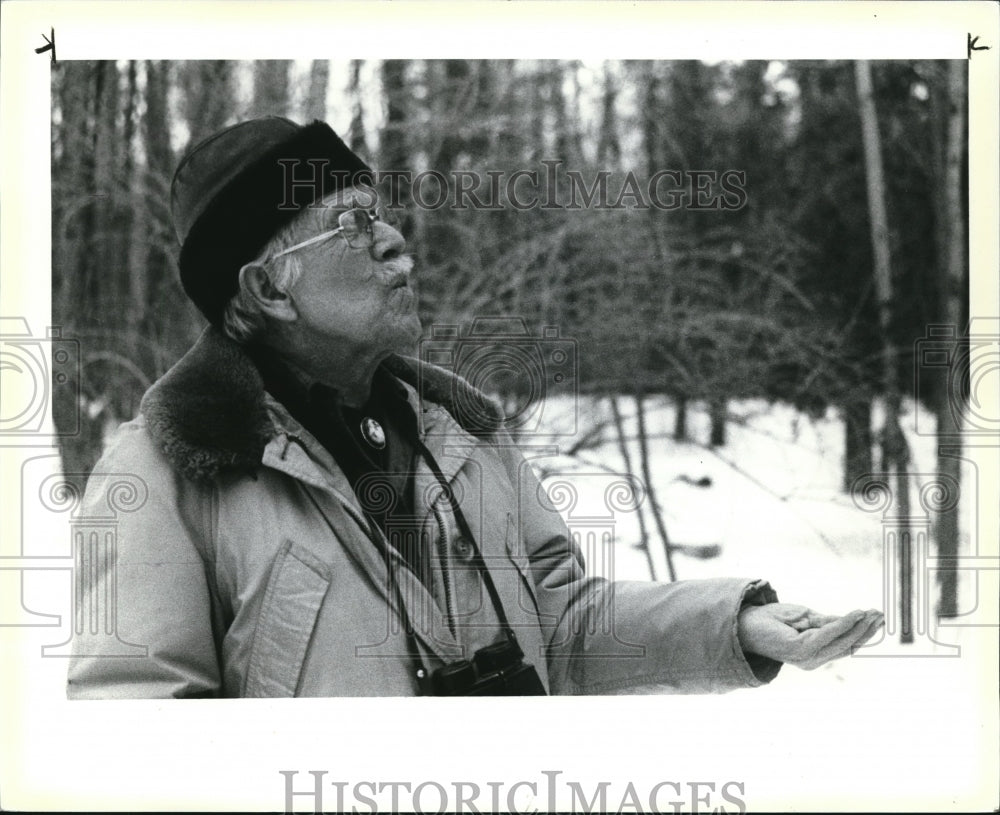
[{"x": 496, "y": 670}]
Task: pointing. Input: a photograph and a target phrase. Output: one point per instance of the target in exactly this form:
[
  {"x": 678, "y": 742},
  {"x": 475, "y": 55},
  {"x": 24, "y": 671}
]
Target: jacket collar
[{"x": 209, "y": 412}]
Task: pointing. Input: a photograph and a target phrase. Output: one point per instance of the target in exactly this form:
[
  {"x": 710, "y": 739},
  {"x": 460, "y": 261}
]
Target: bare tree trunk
[
  {"x": 895, "y": 452},
  {"x": 857, "y": 441},
  {"x": 452, "y": 100},
  {"x": 356, "y": 140},
  {"x": 319, "y": 81},
  {"x": 270, "y": 87},
  {"x": 608, "y": 146},
  {"x": 647, "y": 476},
  {"x": 717, "y": 413},
  {"x": 158, "y": 268},
  {"x": 949, "y": 397},
  {"x": 207, "y": 96},
  {"x": 536, "y": 131},
  {"x": 564, "y": 140},
  {"x": 136, "y": 222},
  {"x": 575, "y": 108},
  {"x": 104, "y": 287},
  {"x": 394, "y": 145},
  {"x": 73, "y": 205},
  {"x": 630, "y": 469},
  {"x": 71, "y": 179},
  {"x": 681, "y": 419},
  {"x": 156, "y": 124}
]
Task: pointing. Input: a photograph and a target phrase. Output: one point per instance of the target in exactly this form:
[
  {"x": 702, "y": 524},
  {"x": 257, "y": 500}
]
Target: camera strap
[
  {"x": 477, "y": 558},
  {"x": 385, "y": 549}
]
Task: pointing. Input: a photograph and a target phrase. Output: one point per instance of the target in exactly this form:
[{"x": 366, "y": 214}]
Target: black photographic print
[{"x": 356, "y": 354}]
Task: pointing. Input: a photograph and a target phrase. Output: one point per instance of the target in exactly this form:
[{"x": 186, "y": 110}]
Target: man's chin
[{"x": 409, "y": 337}]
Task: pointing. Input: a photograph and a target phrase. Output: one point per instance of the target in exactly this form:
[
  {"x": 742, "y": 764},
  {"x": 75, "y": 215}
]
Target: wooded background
[{"x": 851, "y": 243}]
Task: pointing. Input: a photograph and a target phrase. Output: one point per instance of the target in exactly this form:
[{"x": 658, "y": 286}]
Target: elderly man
[{"x": 330, "y": 517}]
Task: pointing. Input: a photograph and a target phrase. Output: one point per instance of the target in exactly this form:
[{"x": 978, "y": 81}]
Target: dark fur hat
[{"x": 236, "y": 189}]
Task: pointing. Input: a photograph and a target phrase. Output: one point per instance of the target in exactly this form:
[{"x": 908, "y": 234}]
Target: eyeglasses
[{"x": 356, "y": 226}]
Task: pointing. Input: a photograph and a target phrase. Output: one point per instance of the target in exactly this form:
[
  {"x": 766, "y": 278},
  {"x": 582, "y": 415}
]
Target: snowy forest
[{"x": 806, "y": 285}]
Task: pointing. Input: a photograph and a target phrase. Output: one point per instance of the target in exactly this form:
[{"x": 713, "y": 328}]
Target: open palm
[{"x": 803, "y": 637}]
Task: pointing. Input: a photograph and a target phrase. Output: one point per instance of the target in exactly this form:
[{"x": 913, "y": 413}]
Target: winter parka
[{"x": 250, "y": 569}]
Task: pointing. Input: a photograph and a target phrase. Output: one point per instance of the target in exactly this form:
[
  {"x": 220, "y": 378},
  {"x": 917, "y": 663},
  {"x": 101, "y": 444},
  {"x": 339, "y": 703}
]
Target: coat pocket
[{"x": 295, "y": 591}]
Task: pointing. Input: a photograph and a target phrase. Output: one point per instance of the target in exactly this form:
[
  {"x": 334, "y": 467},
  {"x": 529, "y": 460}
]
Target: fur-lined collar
[{"x": 208, "y": 413}]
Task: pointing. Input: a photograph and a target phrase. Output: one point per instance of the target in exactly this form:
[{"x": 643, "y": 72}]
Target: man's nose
[{"x": 389, "y": 243}]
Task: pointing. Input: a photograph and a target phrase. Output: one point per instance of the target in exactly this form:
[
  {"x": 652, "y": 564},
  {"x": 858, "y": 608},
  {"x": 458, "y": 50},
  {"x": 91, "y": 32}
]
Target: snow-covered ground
[{"x": 769, "y": 501}]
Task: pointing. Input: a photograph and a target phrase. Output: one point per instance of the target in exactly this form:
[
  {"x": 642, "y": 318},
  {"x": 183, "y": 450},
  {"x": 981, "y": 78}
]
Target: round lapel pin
[{"x": 373, "y": 433}]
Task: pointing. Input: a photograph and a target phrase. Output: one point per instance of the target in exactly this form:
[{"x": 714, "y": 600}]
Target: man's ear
[{"x": 274, "y": 303}]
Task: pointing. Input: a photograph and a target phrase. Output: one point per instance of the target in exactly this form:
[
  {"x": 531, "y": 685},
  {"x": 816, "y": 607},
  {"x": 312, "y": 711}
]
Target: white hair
[{"x": 242, "y": 319}]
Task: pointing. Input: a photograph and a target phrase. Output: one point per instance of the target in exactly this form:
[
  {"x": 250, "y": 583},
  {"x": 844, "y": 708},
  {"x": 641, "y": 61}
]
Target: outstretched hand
[{"x": 801, "y": 636}]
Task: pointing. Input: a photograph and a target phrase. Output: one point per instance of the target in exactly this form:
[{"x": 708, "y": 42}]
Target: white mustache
[
  {"x": 395, "y": 271},
  {"x": 402, "y": 265}
]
